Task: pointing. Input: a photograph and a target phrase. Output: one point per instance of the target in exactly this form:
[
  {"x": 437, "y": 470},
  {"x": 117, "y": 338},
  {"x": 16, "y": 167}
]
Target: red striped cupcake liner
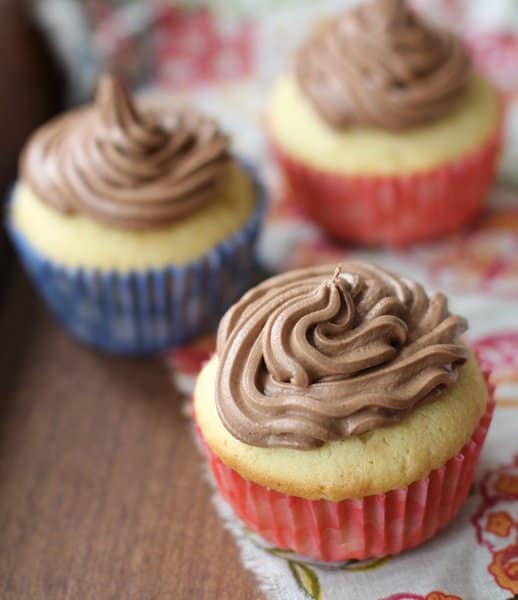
[
  {"x": 359, "y": 528},
  {"x": 394, "y": 210}
]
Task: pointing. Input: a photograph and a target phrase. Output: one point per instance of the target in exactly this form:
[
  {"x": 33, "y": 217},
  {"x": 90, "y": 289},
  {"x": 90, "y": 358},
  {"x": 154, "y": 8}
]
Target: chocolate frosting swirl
[
  {"x": 380, "y": 65},
  {"x": 128, "y": 167},
  {"x": 320, "y": 354}
]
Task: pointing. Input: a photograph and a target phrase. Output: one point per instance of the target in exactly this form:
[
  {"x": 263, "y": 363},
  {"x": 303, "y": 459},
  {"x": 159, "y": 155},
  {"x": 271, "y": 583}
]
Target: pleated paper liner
[
  {"x": 360, "y": 528},
  {"x": 147, "y": 311},
  {"x": 394, "y": 210}
]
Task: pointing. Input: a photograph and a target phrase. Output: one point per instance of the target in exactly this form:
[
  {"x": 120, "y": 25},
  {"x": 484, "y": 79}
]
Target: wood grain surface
[{"x": 102, "y": 493}]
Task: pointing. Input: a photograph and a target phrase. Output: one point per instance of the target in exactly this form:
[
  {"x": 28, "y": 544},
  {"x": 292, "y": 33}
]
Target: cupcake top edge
[
  {"x": 320, "y": 354},
  {"x": 380, "y": 65},
  {"x": 128, "y": 165}
]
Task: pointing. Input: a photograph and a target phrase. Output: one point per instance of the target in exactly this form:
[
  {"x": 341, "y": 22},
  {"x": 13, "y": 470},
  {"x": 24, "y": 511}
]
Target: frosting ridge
[
  {"x": 319, "y": 354},
  {"x": 380, "y": 65},
  {"x": 123, "y": 165}
]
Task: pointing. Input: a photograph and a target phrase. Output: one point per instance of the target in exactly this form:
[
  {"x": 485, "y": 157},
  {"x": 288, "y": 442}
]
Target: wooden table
[{"x": 102, "y": 493}]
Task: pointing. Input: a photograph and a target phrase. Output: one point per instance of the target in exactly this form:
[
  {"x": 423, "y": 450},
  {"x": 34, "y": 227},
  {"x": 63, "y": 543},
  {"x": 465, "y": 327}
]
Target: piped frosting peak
[
  {"x": 380, "y": 65},
  {"x": 320, "y": 354},
  {"x": 126, "y": 164}
]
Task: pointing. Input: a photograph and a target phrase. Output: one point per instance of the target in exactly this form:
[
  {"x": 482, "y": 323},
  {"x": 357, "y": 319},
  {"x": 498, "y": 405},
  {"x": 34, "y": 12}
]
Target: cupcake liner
[
  {"x": 360, "y": 528},
  {"x": 394, "y": 210},
  {"x": 147, "y": 311}
]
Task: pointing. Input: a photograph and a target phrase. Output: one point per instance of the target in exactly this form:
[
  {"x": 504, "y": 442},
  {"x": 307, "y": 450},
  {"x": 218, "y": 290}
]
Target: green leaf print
[
  {"x": 365, "y": 565},
  {"x": 280, "y": 552},
  {"x": 306, "y": 579}
]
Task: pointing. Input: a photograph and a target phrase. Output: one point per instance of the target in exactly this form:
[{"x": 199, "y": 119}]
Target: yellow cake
[
  {"x": 371, "y": 463},
  {"x": 298, "y": 131},
  {"x": 77, "y": 240}
]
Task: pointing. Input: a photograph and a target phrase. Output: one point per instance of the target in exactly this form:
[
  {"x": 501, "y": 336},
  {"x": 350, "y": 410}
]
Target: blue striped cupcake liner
[{"x": 143, "y": 312}]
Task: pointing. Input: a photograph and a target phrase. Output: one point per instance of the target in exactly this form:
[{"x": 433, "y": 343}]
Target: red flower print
[
  {"x": 190, "y": 358},
  {"x": 495, "y": 54},
  {"x": 482, "y": 259},
  {"x": 504, "y": 568},
  {"x": 496, "y": 524},
  {"x": 499, "y": 523},
  {"x": 507, "y": 484},
  {"x": 498, "y": 354},
  {"x": 195, "y": 47}
]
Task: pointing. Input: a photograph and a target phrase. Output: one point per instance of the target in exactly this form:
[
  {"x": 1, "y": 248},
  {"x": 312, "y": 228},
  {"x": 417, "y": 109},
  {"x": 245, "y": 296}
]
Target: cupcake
[
  {"x": 135, "y": 222},
  {"x": 341, "y": 415},
  {"x": 383, "y": 131}
]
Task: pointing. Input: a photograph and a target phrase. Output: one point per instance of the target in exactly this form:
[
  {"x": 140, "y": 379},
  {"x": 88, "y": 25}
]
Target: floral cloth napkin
[
  {"x": 230, "y": 54},
  {"x": 476, "y": 557}
]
